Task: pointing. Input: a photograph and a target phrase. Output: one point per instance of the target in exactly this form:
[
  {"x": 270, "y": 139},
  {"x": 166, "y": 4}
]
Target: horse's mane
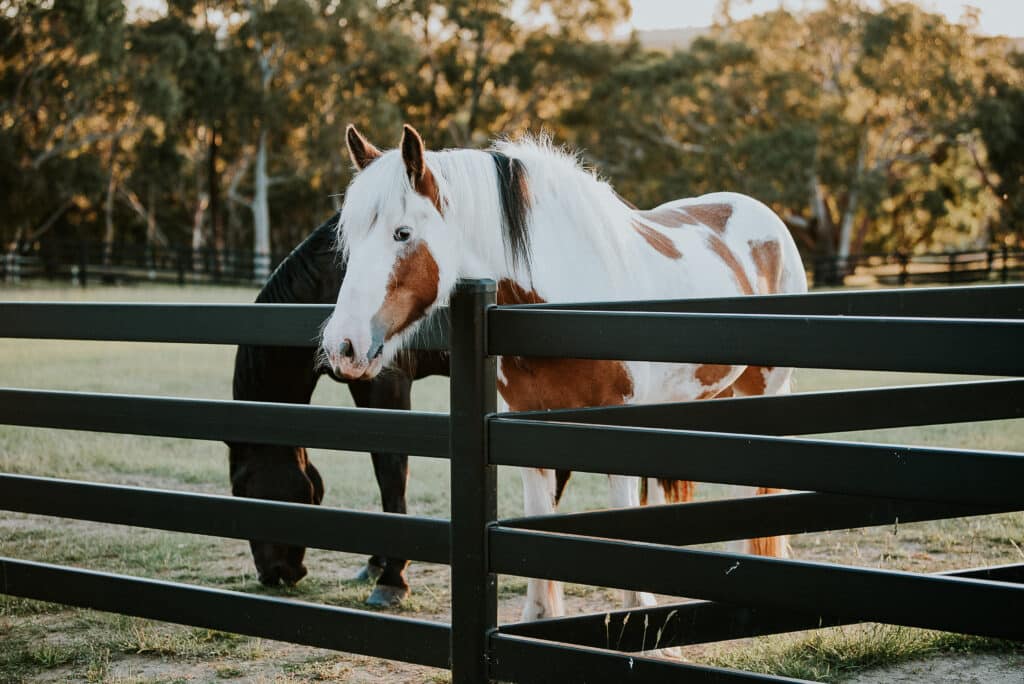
[
  {"x": 515, "y": 208},
  {"x": 310, "y": 274},
  {"x": 561, "y": 195}
]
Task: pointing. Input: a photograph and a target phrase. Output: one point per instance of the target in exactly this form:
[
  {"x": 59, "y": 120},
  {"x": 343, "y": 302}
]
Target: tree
[{"x": 1000, "y": 118}]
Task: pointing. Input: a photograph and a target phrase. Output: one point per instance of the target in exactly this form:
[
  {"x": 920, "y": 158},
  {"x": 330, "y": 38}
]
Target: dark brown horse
[{"x": 310, "y": 275}]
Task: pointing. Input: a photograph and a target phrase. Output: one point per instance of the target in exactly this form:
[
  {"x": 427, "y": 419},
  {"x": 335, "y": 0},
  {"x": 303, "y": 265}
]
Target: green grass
[
  {"x": 39, "y": 639},
  {"x": 834, "y": 655}
]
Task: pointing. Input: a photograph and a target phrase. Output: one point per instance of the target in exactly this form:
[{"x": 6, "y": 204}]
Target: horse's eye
[{"x": 402, "y": 233}]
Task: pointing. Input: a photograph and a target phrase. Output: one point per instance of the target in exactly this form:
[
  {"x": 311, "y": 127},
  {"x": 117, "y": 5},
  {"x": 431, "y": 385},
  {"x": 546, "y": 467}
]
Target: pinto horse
[
  {"x": 311, "y": 275},
  {"x": 530, "y": 217}
]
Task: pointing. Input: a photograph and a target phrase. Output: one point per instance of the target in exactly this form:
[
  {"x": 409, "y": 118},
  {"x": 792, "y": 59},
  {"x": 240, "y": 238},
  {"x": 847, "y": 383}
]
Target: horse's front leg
[
  {"x": 389, "y": 390},
  {"x": 543, "y": 596}
]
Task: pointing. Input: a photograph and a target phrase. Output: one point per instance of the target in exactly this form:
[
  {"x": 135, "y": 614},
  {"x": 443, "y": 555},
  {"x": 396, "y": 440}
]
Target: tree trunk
[
  {"x": 151, "y": 227},
  {"x": 108, "y": 211},
  {"x": 826, "y": 271},
  {"x": 852, "y": 202},
  {"x": 261, "y": 213},
  {"x": 822, "y": 219},
  {"x": 197, "y": 232},
  {"x": 213, "y": 181}
]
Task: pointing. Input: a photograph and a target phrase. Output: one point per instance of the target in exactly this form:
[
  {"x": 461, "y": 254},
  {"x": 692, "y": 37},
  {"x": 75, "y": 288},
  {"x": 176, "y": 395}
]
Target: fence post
[
  {"x": 473, "y": 481},
  {"x": 1006, "y": 265}
]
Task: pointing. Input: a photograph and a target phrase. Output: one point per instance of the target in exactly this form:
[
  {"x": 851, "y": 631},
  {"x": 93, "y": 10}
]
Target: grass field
[{"x": 43, "y": 642}]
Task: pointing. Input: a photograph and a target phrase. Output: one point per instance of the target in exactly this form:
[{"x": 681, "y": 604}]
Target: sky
[{"x": 998, "y": 17}]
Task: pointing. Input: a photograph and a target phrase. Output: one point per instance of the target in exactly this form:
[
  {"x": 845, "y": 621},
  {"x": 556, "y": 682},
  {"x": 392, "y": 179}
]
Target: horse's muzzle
[{"x": 349, "y": 365}]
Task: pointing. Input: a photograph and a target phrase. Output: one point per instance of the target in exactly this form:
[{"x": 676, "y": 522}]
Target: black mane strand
[{"x": 515, "y": 207}]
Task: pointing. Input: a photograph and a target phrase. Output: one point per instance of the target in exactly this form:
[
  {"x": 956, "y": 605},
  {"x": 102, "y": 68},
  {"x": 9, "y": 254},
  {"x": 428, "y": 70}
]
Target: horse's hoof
[
  {"x": 387, "y": 597},
  {"x": 369, "y": 573}
]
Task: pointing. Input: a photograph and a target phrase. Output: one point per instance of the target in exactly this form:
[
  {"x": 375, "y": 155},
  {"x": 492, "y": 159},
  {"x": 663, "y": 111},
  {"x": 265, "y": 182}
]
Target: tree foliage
[{"x": 221, "y": 122}]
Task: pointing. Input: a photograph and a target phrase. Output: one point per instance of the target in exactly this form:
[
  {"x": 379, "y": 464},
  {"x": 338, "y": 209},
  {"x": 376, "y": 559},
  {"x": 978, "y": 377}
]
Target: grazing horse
[
  {"x": 312, "y": 274},
  {"x": 528, "y": 216}
]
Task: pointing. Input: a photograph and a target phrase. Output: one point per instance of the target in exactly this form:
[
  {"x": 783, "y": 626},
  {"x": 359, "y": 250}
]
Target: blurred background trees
[{"x": 219, "y": 123}]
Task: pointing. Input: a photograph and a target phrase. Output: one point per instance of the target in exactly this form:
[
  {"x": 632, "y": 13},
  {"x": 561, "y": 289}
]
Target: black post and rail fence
[{"x": 761, "y": 441}]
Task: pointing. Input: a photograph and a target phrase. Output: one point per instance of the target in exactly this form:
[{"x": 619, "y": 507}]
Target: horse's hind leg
[
  {"x": 389, "y": 390},
  {"x": 540, "y": 497},
  {"x": 624, "y": 494},
  {"x": 755, "y": 381}
]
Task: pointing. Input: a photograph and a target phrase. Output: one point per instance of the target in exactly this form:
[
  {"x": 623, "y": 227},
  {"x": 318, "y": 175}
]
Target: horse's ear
[
  {"x": 412, "y": 152},
  {"x": 360, "y": 149}
]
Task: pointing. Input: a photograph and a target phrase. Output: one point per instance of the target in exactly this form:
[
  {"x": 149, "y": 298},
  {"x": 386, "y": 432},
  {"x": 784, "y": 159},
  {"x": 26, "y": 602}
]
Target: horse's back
[{"x": 735, "y": 232}]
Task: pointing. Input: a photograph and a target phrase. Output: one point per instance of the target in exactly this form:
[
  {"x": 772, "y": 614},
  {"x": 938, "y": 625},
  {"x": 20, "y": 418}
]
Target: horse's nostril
[{"x": 346, "y": 349}]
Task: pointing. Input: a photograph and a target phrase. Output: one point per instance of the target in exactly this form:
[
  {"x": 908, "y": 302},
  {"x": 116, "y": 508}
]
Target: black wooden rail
[{"x": 765, "y": 441}]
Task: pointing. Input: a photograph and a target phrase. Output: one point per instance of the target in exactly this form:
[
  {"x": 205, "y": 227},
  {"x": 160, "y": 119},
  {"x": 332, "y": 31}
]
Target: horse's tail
[{"x": 676, "y": 491}]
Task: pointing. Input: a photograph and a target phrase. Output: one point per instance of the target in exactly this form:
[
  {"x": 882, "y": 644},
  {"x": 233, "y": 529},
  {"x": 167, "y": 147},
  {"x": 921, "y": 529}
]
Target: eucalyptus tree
[{"x": 64, "y": 107}]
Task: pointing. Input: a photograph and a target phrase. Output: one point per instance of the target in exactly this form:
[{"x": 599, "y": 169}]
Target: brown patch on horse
[
  {"x": 752, "y": 381},
  {"x": 669, "y": 217},
  {"x": 709, "y": 374},
  {"x": 426, "y": 185},
  {"x": 714, "y": 216},
  {"x": 723, "y": 252},
  {"x": 676, "y": 491},
  {"x": 540, "y": 383},
  {"x": 659, "y": 242},
  {"x": 412, "y": 288},
  {"x": 766, "y": 546},
  {"x": 420, "y": 176},
  {"x": 511, "y": 292},
  {"x": 767, "y": 256}
]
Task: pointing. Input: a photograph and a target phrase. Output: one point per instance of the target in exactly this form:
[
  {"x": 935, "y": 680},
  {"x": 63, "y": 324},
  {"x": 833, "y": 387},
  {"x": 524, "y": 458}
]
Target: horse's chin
[{"x": 367, "y": 371}]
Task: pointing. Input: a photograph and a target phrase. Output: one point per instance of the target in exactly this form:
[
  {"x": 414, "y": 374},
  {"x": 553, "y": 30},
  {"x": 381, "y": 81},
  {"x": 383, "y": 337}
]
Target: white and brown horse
[{"x": 531, "y": 218}]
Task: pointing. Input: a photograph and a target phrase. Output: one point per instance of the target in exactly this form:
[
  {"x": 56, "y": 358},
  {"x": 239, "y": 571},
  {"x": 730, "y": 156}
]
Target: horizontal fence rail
[
  {"x": 815, "y": 412},
  {"x": 866, "y": 469},
  {"x": 355, "y": 631},
  {"x": 291, "y": 325},
  {"x": 699, "y": 622},
  {"x": 704, "y": 522},
  {"x": 251, "y": 422},
  {"x": 522, "y": 659},
  {"x": 405, "y": 536},
  {"x": 853, "y": 342},
  {"x": 985, "y": 301},
  {"x": 972, "y": 606}
]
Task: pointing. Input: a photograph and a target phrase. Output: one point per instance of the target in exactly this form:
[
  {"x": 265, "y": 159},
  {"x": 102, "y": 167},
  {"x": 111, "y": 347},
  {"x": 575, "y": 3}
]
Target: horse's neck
[
  {"x": 310, "y": 274},
  {"x": 568, "y": 206}
]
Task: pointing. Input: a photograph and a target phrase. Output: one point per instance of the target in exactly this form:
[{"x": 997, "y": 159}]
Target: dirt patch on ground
[{"x": 968, "y": 669}]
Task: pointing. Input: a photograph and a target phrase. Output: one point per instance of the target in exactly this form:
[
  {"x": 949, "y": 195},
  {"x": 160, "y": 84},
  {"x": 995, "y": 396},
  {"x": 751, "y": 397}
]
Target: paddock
[{"x": 924, "y": 548}]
